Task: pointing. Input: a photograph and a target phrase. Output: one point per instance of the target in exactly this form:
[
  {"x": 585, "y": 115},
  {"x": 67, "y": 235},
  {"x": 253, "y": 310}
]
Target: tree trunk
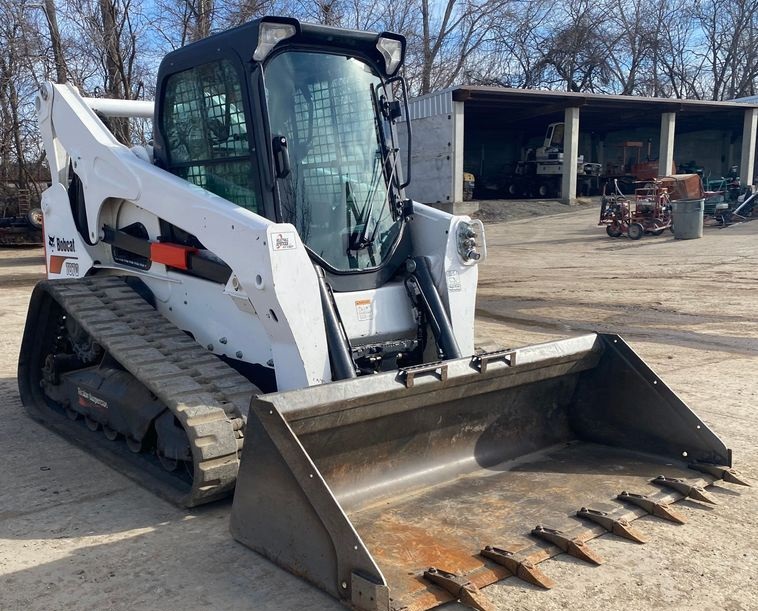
[
  {"x": 204, "y": 20},
  {"x": 426, "y": 67},
  {"x": 61, "y": 70}
]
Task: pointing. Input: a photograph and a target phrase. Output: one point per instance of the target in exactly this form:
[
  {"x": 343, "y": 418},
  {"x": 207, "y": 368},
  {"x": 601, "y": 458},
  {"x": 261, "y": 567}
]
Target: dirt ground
[
  {"x": 74, "y": 534},
  {"x": 506, "y": 210}
]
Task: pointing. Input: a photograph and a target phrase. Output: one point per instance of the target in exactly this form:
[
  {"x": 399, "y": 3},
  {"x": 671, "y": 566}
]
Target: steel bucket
[{"x": 407, "y": 490}]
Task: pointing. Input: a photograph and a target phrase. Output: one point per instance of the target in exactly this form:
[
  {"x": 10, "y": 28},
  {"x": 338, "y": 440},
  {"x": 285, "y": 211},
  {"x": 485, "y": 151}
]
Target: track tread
[{"x": 208, "y": 397}]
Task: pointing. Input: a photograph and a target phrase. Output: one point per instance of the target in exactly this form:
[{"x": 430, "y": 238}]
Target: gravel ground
[
  {"x": 76, "y": 535},
  {"x": 506, "y": 210}
]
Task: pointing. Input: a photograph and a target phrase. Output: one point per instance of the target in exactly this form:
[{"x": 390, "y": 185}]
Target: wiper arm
[
  {"x": 362, "y": 240},
  {"x": 359, "y": 241}
]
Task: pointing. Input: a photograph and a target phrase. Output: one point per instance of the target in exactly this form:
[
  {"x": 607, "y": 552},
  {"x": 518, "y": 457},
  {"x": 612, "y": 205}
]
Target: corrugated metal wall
[
  {"x": 437, "y": 143},
  {"x": 432, "y": 104}
]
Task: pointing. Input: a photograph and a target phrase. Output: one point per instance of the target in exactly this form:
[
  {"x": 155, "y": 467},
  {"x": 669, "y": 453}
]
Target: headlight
[
  {"x": 269, "y": 35},
  {"x": 392, "y": 52},
  {"x": 470, "y": 239}
]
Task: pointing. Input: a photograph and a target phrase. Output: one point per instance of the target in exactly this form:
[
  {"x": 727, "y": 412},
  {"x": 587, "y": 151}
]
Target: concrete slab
[{"x": 462, "y": 208}]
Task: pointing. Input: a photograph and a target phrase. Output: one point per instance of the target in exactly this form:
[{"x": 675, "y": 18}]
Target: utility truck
[{"x": 540, "y": 170}]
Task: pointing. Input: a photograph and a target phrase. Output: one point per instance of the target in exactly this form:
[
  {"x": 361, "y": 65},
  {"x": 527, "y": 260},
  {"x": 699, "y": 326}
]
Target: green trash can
[{"x": 687, "y": 215}]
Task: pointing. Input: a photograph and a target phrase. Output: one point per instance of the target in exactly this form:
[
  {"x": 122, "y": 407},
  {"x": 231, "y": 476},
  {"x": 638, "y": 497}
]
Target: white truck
[{"x": 539, "y": 172}]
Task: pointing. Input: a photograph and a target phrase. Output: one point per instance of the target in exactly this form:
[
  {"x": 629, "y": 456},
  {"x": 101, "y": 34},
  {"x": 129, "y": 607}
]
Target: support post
[
  {"x": 600, "y": 151},
  {"x": 457, "y": 152},
  {"x": 666, "y": 153},
  {"x": 570, "y": 153},
  {"x": 747, "y": 160}
]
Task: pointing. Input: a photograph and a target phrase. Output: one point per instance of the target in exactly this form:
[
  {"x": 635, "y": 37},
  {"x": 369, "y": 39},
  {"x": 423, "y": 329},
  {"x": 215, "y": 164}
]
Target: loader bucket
[{"x": 410, "y": 489}]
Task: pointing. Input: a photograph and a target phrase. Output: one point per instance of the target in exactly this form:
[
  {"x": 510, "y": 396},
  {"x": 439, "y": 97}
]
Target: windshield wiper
[
  {"x": 359, "y": 238},
  {"x": 359, "y": 241}
]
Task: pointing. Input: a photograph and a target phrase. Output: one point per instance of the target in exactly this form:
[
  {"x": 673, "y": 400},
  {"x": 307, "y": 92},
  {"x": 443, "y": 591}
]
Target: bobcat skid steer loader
[{"x": 253, "y": 301}]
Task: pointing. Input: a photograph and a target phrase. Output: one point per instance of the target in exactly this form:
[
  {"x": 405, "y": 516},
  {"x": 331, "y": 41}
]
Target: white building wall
[{"x": 437, "y": 128}]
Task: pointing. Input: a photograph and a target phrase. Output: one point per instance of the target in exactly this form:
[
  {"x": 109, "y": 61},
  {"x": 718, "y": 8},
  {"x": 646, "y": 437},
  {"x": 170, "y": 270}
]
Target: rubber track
[{"x": 208, "y": 397}]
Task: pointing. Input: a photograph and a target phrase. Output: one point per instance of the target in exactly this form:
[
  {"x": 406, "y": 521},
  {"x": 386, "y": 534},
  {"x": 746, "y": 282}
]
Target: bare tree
[
  {"x": 449, "y": 39},
  {"x": 112, "y": 36},
  {"x": 19, "y": 145},
  {"x": 730, "y": 29},
  {"x": 51, "y": 14},
  {"x": 576, "y": 51},
  {"x": 674, "y": 68},
  {"x": 515, "y": 52}
]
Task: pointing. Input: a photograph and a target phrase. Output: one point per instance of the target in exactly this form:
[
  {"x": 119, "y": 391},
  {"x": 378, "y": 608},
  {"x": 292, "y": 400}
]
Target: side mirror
[
  {"x": 394, "y": 110},
  {"x": 281, "y": 157}
]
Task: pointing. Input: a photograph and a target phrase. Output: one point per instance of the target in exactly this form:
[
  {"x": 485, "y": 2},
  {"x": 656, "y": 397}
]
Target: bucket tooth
[
  {"x": 619, "y": 527},
  {"x": 573, "y": 547},
  {"x": 719, "y": 472},
  {"x": 688, "y": 490},
  {"x": 523, "y": 569},
  {"x": 460, "y": 587},
  {"x": 659, "y": 510}
]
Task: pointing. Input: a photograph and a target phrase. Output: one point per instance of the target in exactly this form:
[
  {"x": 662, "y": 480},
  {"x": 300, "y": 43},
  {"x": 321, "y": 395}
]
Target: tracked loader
[{"x": 253, "y": 301}]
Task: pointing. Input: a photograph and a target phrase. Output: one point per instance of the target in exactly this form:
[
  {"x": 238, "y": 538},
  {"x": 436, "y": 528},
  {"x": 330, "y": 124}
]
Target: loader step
[{"x": 208, "y": 398}]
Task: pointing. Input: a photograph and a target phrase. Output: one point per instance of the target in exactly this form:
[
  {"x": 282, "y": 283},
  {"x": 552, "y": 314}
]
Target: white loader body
[{"x": 269, "y": 313}]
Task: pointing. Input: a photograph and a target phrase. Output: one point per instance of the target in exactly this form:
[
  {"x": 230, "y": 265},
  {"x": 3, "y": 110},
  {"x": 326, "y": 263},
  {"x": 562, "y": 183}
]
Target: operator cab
[{"x": 295, "y": 122}]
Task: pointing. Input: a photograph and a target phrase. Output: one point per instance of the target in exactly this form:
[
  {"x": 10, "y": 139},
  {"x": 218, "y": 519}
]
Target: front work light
[
  {"x": 269, "y": 35},
  {"x": 392, "y": 52}
]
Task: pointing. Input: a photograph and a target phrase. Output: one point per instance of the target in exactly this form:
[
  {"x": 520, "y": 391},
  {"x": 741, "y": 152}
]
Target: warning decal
[
  {"x": 453, "y": 281},
  {"x": 364, "y": 309}
]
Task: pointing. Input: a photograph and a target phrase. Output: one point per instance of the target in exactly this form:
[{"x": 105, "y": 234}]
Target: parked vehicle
[
  {"x": 648, "y": 211},
  {"x": 723, "y": 195},
  {"x": 253, "y": 306},
  {"x": 540, "y": 172},
  {"x": 469, "y": 184},
  {"x": 20, "y": 224}
]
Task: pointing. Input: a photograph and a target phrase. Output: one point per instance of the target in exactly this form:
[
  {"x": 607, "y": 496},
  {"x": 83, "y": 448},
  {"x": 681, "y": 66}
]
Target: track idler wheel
[
  {"x": 172, "y": 446},
  {"x": 134, "y": 445},
  {"x": 168, "y": 464}
]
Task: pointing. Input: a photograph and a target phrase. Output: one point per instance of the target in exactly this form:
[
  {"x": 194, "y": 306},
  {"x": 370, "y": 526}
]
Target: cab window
[{"x": 206, "y": 132}]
